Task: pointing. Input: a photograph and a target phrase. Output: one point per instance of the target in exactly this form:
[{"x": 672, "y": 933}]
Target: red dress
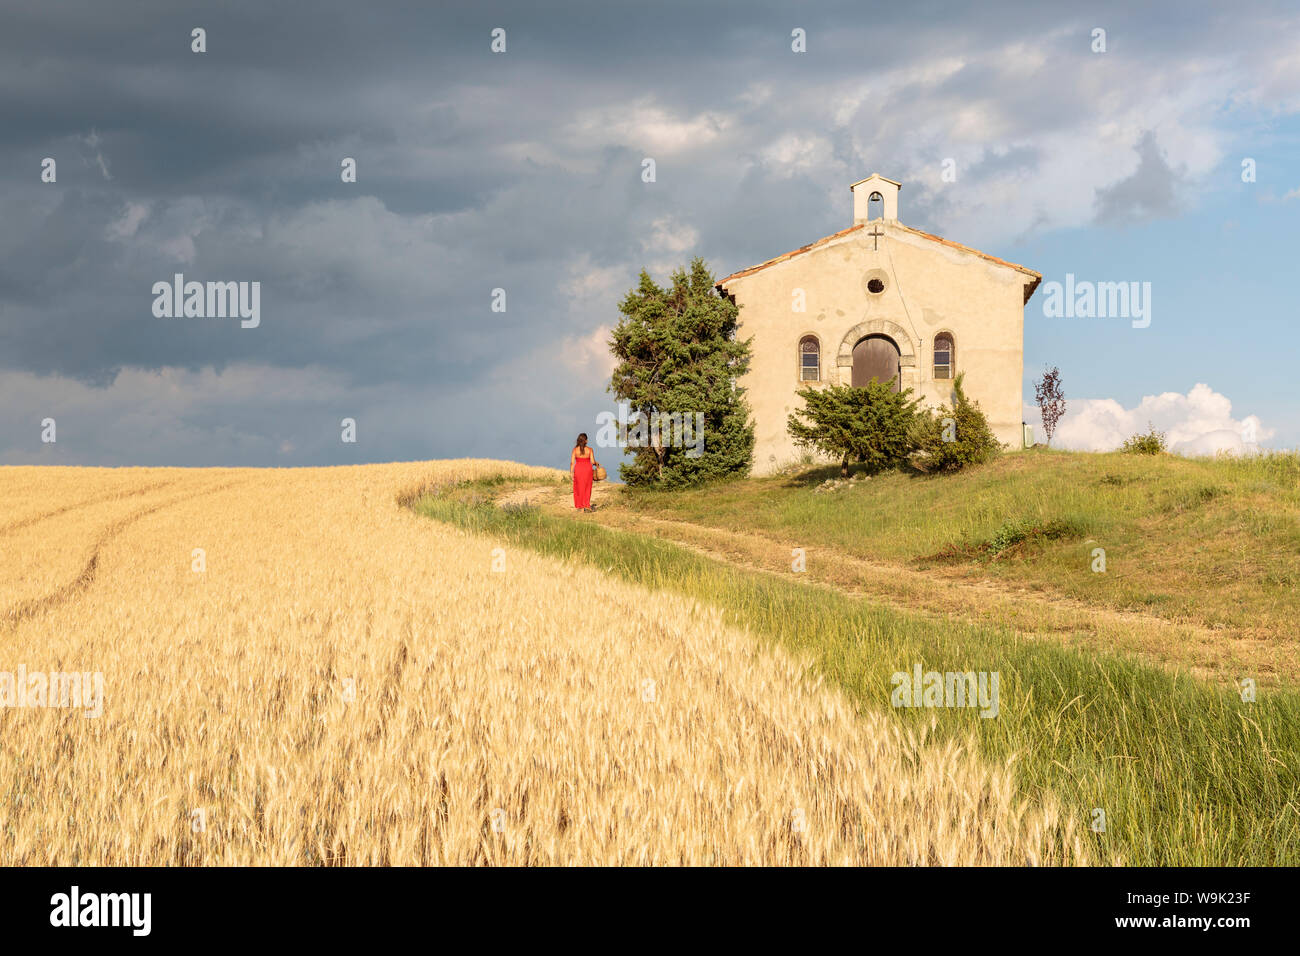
[{"x": 582, "y": 482}]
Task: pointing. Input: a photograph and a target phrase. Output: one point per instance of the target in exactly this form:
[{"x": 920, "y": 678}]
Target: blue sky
[
  {"x": 1223, "y": 293},
  {"x": 522, "y": 170}
]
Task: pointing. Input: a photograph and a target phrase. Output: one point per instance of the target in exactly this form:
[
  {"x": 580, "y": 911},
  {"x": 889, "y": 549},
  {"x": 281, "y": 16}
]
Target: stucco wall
[{"x": 929, "y": 288}]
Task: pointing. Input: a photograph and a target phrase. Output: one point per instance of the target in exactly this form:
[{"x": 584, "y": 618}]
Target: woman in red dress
[{"x": 581, "y": 462}]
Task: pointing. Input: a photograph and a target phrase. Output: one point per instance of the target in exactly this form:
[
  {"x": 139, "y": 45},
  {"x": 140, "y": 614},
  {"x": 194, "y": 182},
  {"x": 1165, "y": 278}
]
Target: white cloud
[
  {"x": 168, "y": 228},
  {"x": 92, "y": 141},
  {"x": 671, "y": 236},
  {"x": 755, "y": 95},
  {"x": 793, "y": 154},
  {"x": 125, "y": 227},
  {"x": 167, "y": 415},
  {"x": 645, "y": 126},
  {"x": 668, "y": 244},
  {"x": 601, "y": 285},
  {"x": 562, "y": 381},
  {"x": 1026, "y": 162},
  {"x": 589, "y": 355},
  {"x": 1198, "y": 423}
]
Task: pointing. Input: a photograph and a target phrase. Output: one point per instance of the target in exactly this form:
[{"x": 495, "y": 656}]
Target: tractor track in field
[
  {"x": 34, "y": 607},
  {"x": 20, "y": 523},
  {"x": 1204, "y": 651}
]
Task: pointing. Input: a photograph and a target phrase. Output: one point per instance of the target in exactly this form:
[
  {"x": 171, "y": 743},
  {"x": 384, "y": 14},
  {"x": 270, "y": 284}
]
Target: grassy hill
[{"x": 1210, "y": 542}]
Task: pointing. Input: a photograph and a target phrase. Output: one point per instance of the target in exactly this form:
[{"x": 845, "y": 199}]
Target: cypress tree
[{"x": 678, "y": 355}]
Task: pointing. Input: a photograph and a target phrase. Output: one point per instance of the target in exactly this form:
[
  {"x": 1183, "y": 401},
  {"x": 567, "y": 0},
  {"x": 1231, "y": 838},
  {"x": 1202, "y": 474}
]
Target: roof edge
[
  {"x": 892, "y": 182},
  {"x": 790, "y": 255},
  {"x": 1035, "y": 277}
]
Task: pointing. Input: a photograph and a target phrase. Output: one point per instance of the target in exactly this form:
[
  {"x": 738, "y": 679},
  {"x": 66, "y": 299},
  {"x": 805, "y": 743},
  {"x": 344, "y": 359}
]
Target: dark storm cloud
[
  {"x": 479, "y": 171},
  {"x": 1150, "y": 193}
]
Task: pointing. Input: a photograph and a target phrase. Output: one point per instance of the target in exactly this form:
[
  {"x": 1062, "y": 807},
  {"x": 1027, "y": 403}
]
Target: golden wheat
[{"x": 346, "y": 682}]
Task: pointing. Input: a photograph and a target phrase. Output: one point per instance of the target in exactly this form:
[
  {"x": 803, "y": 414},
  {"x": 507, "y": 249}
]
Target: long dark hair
[{"x": 582, "y": 441}]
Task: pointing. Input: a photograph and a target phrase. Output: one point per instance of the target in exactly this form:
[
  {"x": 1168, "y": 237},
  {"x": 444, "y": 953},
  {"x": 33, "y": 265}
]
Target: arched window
[
  {"x": 810, "y": 359},
  {"x": 875, "y": 206},
  {"x": 945, "y": 356}
]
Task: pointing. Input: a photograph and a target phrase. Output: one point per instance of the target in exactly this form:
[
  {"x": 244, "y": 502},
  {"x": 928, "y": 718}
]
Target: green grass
[
  {"x": 1186, "y": 772},
  {"x": 1212, "y": 541}
]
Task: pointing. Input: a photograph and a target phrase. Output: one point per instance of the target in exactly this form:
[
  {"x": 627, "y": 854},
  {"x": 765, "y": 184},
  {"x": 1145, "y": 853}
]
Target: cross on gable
[{"x": 875, "y": 235}]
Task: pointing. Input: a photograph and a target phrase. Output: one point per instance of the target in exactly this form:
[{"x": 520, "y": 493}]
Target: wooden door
[{"x": 875, "y": 357}]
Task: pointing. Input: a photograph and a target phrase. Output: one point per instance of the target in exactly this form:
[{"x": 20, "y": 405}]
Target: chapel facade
[{"x": 881, "y": 300}]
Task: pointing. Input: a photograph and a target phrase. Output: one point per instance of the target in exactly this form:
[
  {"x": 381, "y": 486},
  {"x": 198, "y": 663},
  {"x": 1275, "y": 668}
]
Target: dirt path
[{"x": 1031, "y": 614}]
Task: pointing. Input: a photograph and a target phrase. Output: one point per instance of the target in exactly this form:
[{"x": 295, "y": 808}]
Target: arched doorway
[{"x": 877, "y": 357}]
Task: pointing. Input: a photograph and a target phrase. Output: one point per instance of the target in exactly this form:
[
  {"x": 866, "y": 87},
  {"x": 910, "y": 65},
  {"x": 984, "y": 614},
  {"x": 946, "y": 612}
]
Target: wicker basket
[{"x": 598, "y": 473}]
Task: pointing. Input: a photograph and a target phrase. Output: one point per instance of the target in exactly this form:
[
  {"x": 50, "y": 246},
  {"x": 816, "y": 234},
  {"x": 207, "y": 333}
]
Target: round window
[{"x": 876, "y": 286}]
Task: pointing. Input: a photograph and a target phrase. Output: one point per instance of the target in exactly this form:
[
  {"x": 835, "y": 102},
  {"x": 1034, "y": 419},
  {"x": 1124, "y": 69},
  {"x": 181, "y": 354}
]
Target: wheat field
[{"x": 336, "y": 680}]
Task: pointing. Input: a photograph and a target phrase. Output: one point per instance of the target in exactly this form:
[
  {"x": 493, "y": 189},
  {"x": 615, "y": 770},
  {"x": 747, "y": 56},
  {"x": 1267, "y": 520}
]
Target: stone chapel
[{"x": 881, "y": 300}]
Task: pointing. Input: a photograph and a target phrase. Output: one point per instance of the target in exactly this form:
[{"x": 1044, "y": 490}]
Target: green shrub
[
  {"x": 873, "y": 424},
  {"x": 1152, "y": 443},
  {"x": 955, "y": 437},
  {"x": 1018, "y": 531}
]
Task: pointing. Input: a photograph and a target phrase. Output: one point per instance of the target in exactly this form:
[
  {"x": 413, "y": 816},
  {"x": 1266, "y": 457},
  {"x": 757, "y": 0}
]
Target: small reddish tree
[{"x": 1051, "y": 400}]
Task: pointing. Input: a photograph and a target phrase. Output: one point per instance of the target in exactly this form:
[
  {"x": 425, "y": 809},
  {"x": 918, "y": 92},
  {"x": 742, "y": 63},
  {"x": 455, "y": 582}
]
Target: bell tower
[{"x": 878, "y": 192}]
